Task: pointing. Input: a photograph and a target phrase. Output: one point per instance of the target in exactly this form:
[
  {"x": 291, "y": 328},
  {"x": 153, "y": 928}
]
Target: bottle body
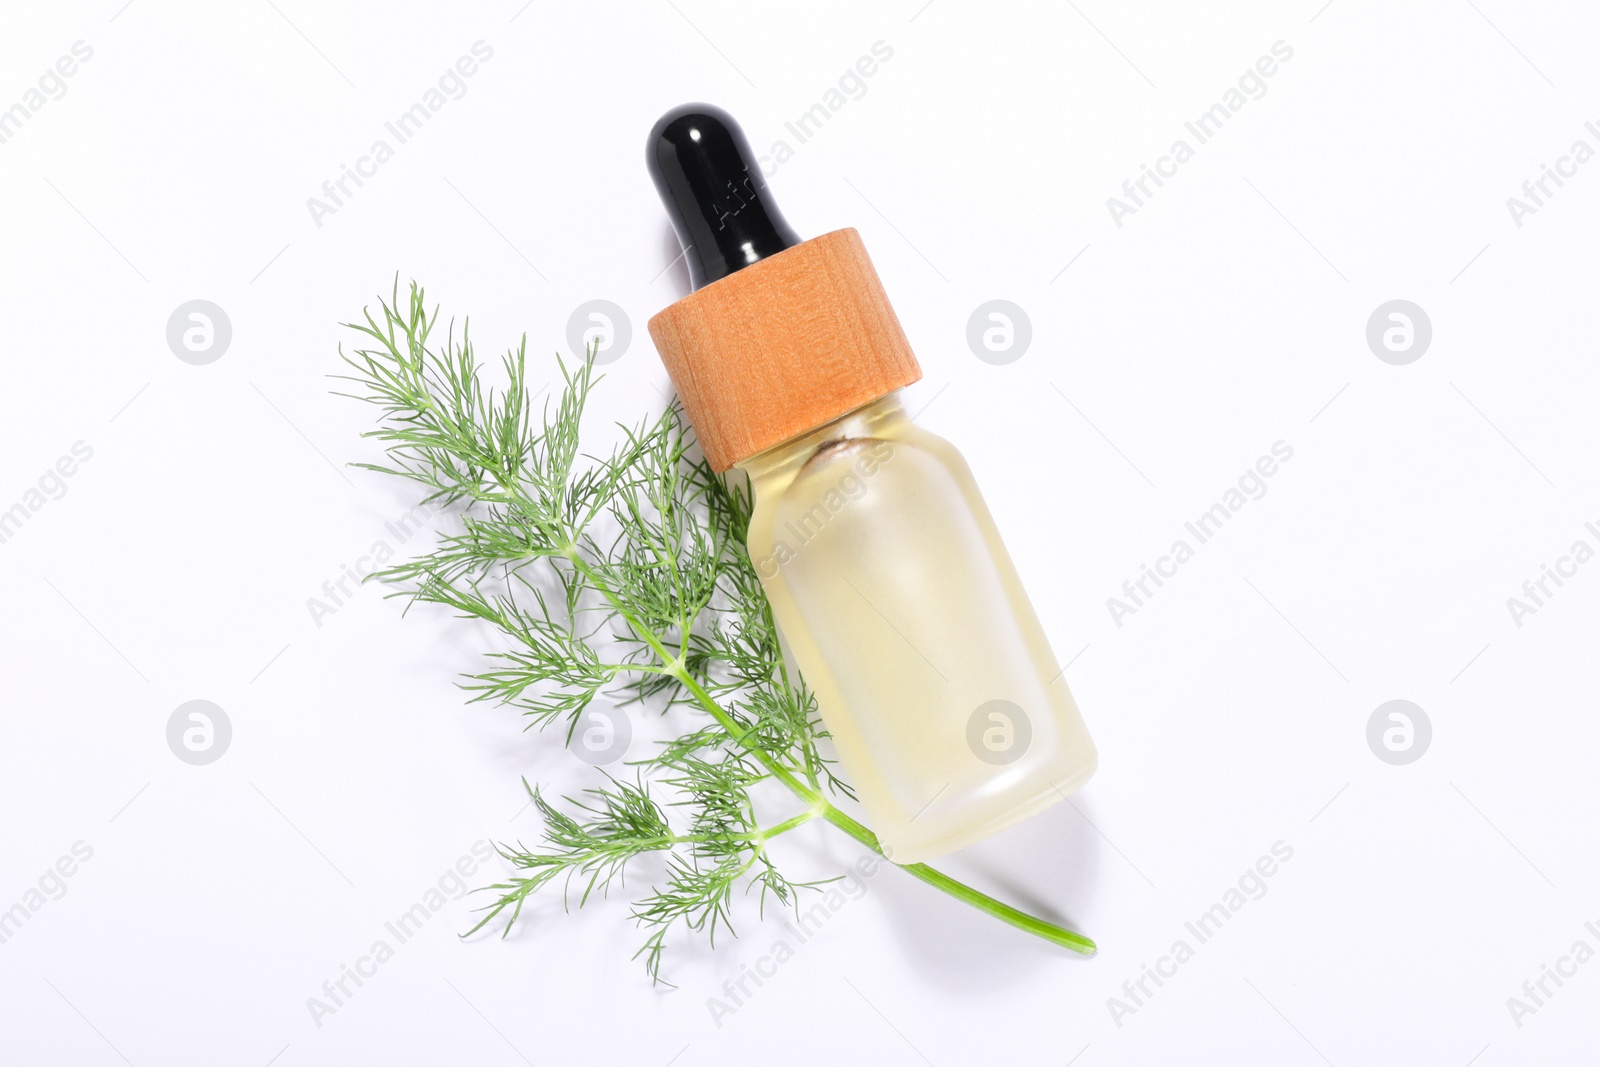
[{"x": 900, "y": 607}]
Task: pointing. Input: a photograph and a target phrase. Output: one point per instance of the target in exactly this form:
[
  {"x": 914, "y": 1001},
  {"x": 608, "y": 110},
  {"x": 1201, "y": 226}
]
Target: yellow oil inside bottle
[{"x": 902, "y": 611}]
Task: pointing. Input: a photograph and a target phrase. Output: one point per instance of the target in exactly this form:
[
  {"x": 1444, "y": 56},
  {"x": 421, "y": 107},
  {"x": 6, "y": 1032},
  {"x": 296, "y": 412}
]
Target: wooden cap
[{"x": 783, "y": 346}]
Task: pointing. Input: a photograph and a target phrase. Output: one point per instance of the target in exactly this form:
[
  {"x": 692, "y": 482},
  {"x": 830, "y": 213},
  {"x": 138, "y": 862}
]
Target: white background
[{"x": 1229, "y": 313}]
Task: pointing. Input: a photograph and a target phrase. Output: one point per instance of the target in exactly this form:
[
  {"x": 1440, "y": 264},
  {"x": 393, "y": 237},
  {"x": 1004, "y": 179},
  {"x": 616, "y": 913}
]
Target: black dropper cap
[{"x": 715, "y": 193}]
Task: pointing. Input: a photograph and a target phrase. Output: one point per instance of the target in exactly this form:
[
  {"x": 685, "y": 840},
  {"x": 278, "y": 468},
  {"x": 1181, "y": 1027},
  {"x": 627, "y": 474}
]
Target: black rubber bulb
[{"x": 714, "y": 192}]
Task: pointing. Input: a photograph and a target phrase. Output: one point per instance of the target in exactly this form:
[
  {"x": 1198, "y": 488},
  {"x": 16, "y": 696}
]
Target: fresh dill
[{"x": 623, "y": 578}]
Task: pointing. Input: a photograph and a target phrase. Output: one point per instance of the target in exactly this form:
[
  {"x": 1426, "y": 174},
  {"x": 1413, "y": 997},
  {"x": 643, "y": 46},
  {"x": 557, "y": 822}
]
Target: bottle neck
[{"x": 785, "y": 460}]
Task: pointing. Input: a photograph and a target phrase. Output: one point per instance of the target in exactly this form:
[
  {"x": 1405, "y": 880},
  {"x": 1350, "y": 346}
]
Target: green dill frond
[{"x": 621, "y": 577}]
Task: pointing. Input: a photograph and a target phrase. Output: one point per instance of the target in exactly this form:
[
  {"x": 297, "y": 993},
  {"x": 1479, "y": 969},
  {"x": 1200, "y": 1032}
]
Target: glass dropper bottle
[{"x": 888, "y": 580}]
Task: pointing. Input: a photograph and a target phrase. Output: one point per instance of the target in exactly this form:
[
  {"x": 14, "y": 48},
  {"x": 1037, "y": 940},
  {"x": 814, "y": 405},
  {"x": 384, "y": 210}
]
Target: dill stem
[
  {"x": 817, "y": 803},
  {"x": 1032, "y": 924},
  {"x": 785, "y": 826}
]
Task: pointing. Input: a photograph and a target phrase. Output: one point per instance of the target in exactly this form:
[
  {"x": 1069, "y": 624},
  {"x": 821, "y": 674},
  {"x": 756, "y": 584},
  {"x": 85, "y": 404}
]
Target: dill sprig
[{"x": 623, "y": 577}]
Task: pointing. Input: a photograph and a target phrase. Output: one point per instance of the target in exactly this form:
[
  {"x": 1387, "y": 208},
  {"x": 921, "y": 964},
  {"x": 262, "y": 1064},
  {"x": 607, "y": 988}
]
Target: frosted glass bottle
[
  {"x": 896, "y": 599},
  {"x": 903, "y": 613}
]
